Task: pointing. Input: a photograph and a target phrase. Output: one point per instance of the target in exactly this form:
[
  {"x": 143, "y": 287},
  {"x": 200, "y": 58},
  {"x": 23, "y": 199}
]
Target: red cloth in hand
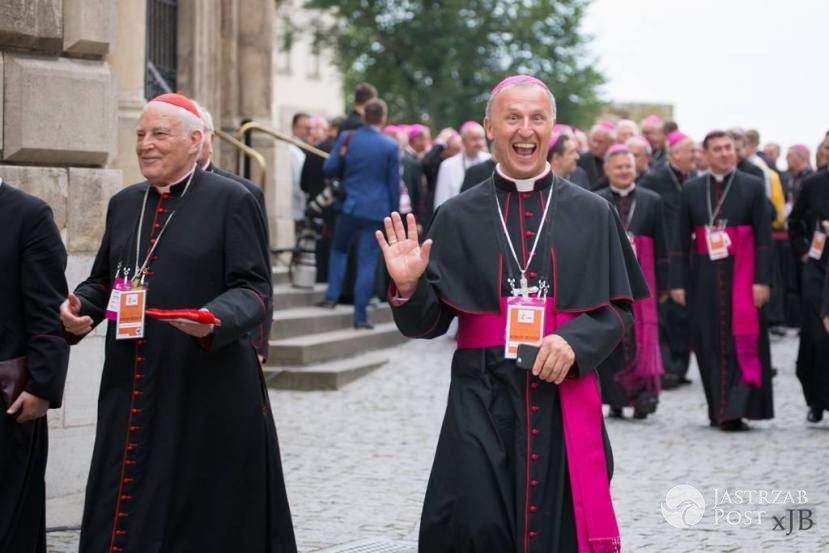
[{"x": 201, "y": 316}]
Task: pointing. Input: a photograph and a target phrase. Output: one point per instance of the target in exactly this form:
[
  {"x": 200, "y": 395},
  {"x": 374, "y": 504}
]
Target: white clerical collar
[
  {"x": 166, "y": 188},
  {"x": 206, "y": 164},
  {"x": 718, "y": 177},
  {"x": 524, "y": 185},
  {"x": 623, "y": 192}
]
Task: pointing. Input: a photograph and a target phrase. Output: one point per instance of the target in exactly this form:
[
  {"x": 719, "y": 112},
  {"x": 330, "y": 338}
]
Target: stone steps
[
  {"x": 328, "y": 346},
  {"x": 332, "y": 375},
  {"x": 302, "y": 321},
  {"x": 288, "y": 297}
]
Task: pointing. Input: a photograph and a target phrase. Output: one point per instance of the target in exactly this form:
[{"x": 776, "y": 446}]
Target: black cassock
[
  {"x": 500, "y": 479},
  {"x": 674, "y": 337},
  {"x": 32, "y": 287},
  {"x": 812, "y": 207},
  {"x": 708, "y": 286},
  {"x": 186, "y": 456},
  {"x": 641, "y": 215}
]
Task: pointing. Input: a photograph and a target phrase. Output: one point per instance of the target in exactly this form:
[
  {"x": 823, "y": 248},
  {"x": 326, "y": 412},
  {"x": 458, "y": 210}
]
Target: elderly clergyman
[
  {"x": 186, "y": 455},
  {"x": 523, "y": 462}
]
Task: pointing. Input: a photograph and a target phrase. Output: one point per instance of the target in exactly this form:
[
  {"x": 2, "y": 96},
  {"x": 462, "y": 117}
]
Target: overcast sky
[{"x": 722, "y": 63}]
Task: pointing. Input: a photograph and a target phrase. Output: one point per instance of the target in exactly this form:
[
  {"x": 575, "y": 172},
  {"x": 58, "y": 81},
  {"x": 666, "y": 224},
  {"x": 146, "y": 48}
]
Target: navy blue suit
[{"x": 370, "y": 174}]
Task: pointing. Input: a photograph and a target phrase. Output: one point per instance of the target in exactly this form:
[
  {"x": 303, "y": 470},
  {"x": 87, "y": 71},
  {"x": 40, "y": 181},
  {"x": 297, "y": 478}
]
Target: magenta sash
[
  {"x": 745, "y": 317},
  {"x": 648, "y": 366},
  {"x": 581, "y": 411}
]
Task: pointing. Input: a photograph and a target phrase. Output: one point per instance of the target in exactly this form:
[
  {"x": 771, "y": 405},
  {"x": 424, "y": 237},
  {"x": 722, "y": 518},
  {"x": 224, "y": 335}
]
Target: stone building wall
[{"x": 71, "y": 89}]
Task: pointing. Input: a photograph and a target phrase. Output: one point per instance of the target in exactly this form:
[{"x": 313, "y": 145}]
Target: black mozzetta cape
[
  {"x": 584, "y": 246},
  {"x": 186, "y": 456},
  {"x": 500, "y": 480}
]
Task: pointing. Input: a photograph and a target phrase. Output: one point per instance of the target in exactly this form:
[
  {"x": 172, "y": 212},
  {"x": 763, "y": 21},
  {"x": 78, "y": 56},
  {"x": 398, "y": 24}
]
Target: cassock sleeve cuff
[{"x": 396, "y": 299}]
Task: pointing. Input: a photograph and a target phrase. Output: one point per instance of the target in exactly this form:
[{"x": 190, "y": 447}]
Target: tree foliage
[{"x": 435, "y": 61}]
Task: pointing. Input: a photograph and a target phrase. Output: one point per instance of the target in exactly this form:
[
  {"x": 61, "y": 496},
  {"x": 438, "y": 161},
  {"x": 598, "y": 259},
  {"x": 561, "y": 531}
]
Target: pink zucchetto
[
  {"x": 517, "y": 79},
  {"x": 415, "y": 130},
  {"x": 606, "y": 124},
  {"x": 469, "y": 125},
  {"x": 675, "y": 137},
  {"x": 802, "y": 150},
  {"x": 616, "y": 149}
]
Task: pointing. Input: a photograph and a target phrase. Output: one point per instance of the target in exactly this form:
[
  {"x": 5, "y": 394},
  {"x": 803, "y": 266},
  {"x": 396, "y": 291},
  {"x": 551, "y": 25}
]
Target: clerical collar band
[
  {"x": 177, "y": 186},
  {"x": 623, "y": 192},
  {"x": 540, "y": 182},
  {"x": 720, "y": 178}
]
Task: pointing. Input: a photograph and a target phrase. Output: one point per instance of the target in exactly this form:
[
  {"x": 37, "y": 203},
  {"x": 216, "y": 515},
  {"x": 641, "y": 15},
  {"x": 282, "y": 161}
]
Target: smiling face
[
  {"x": 620, "y": 169},
  {"x": 721, "y": 155},
  {"x": 520, "y": 123},
  {"x": 166, "y": 151}
]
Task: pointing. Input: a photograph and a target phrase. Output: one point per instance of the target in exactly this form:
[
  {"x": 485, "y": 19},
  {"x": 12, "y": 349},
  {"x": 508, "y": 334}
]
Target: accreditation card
[
  {"x": 525, "y": 323},
  {"x": 130, "y": 323}
]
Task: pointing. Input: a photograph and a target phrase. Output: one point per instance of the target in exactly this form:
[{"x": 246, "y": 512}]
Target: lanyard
[
  {"x": 535, "y": 243},
  {"x": 713, "y": 215},
  {"x": 140, "y": 270},
  {"x": 630, "y": 214}
]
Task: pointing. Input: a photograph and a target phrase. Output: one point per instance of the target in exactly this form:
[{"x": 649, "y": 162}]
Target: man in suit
[
  {"x": 368, "y": 163},
  {"x": 33, "y": 353}
]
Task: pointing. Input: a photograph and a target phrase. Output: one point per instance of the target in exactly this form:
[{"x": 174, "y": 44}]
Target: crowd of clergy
[
  {"x": 730, "y": 245},
  {"x": 667, "y": 187}
]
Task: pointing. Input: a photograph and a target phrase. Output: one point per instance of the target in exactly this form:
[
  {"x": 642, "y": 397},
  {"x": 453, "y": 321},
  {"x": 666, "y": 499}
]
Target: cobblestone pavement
[{"x": 357, "y": 461}]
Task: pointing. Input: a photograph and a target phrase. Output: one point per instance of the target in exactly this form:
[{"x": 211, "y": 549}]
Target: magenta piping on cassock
[
  {"x": 581, "y": 409},
  {"x": 745, "y": 317}
]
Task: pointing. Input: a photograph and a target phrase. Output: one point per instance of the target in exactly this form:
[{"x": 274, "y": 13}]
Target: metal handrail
[
  {"x": 254, "y": 126},
  {"x": 248, "y": 151}
]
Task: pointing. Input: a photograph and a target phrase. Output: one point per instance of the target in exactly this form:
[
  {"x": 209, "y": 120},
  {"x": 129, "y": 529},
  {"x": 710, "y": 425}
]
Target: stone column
[
  {"x": 255, "y": 74},
  {"x": 200, "y": 52},
  {"x": 128, "y": 60}
]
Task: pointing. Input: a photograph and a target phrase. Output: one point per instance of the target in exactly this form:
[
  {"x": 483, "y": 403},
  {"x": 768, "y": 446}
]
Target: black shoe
[
  {"x": 639, "y": 414},
  {"x": 327, "y": 304},
  {"x": 738, "y": 425},
  {"x": 815, "y": 414},
  {"x": 670, "y": 381},
  {"x": 683, "y": 381},
  {"x": 363, "y": 326},
  {"x": 773, "y": 372},
  {"x": 777, "y": 331},
  {"x": 616, "y": 413}
]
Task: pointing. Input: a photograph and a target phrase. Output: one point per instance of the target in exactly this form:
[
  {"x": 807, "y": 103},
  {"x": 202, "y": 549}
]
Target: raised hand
[
  {"x": 71, "y": 318},
  {"x": 406, "y": 259}
]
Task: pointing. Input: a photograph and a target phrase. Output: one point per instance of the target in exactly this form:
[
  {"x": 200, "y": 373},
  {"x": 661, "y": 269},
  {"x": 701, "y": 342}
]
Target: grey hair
[
  {"x": 206, "y": 118},
  {"x": 646, "y": 146},
  {"x": 629, "y": 124},
  {"x": 598, "y": 127},
  {"x": 547, "y": 90},
  {"x": 189, "y": 122}
]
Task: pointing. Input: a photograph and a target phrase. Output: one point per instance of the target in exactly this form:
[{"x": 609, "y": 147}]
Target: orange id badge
[
  {"x": 130, "y": 322},
  {"x": 718, "y": 242},
  {"x": 525, "y": 324},
  {"x": 818, "y": 243}
]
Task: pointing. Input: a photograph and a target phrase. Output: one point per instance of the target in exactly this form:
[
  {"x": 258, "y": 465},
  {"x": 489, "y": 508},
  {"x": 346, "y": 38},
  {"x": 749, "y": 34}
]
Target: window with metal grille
[{"x": 162, "y": 48}]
